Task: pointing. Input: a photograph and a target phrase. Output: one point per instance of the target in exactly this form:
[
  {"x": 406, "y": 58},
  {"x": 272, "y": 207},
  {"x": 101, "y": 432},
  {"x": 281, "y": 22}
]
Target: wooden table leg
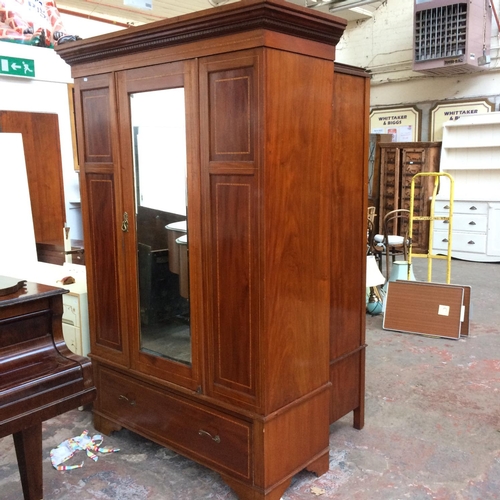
[{"x": 28, "y": 443}]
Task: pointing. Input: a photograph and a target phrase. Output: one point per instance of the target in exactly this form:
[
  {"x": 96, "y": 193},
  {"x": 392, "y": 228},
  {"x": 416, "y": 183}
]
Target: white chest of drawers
[
  {"x": 475, "y": 230},
  {"x": 75, "y": 321}
]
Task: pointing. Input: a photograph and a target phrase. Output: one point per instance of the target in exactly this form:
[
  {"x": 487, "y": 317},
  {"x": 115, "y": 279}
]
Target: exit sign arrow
[{"x": 16, "y": 66}]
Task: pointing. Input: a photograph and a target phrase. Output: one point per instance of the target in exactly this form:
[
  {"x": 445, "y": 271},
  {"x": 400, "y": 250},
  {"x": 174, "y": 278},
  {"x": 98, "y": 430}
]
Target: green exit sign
[{"x": 16, "y": 66}]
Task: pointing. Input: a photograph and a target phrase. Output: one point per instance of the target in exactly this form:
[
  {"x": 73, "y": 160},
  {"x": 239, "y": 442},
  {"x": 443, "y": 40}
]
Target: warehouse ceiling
[{"x": 137, "y": 12}]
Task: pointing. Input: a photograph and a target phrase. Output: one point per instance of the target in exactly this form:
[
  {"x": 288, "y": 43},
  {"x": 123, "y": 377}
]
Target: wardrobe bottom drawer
[{"x": 206, "y": 435}]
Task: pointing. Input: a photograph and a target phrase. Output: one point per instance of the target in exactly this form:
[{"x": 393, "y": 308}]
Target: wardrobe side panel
[
  {"x": 348, "y": 251},
  {"x": 296, "y": 225}
]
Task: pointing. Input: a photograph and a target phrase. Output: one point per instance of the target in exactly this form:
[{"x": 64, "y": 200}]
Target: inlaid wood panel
[
  {"x": 229, "y": 113},
  {"x": 232, "y": 116},
  {"x": 105, "y": 321},
  {"x": 97, "y": 139},
  {"x": 235, "y": 297},
  {"x": 97, "y": 146}
]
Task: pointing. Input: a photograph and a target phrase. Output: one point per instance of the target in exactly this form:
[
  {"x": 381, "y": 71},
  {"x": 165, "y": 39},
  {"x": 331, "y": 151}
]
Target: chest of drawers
[
  {"x": 475, "y": 230},
  {"x": 75, "y": 322}
]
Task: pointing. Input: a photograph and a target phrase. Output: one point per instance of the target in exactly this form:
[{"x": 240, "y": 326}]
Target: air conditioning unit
[{"x": 451, "y": 37}]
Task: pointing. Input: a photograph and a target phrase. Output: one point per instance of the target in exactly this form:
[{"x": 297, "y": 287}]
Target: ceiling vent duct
[{"x": 451, "y": 37}]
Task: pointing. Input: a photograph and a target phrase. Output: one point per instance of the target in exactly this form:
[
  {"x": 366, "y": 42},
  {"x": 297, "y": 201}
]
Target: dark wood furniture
[
  {"x": 53, "y": 252},
  {"x": 40, "y": 376},
  {"x": 276, "y": 246},
  {"x": 42, "y": 152},
  {"x": 399, "y": 162}
]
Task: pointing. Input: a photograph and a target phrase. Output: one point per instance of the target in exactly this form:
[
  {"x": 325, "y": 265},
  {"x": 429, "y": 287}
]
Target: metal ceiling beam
[
  {"x": 338, "y": 4},
  {"x": 350, "y": 5}
]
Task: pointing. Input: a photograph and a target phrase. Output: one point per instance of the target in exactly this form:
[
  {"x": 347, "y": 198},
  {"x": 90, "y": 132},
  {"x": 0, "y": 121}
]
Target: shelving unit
[{"x": 471, "y": 153}]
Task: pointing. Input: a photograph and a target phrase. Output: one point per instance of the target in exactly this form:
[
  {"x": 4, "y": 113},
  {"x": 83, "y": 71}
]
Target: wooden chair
[
  {"x": 371, "y": 215},
  {"x": 395, "y": 239}
]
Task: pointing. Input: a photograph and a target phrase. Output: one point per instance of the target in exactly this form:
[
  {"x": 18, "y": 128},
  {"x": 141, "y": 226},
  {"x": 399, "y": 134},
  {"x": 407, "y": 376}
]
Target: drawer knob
[
  {"x": 131, "y": 402},
  {"x": 446, "y": 222},
  {"x": 471, "y": 242},
  {"x": 473, "y": 208},
  {"x": 472, "y": 223},
  {"x": 215, "y": 438},
  {"x": 445, "y": 240},
  {"x": 446, "y": 206}
]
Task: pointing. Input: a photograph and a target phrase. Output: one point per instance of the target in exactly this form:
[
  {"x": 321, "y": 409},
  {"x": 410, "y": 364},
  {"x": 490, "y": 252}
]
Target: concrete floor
[{"x": 432, "y": 426}]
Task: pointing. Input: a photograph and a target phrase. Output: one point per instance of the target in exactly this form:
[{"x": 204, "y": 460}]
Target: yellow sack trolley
[{"x": 431, "y": 218}]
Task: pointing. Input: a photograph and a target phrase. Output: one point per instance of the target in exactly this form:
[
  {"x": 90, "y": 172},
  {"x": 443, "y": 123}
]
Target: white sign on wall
[
  {"x": 402, "y": 123},
  {"x": 448, "y": 111}
]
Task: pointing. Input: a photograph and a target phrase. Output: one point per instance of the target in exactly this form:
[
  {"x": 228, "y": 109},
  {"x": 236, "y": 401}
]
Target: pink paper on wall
[{"x": 31, "y": 22}]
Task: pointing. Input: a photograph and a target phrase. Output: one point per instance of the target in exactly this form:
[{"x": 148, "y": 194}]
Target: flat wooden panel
[
  {"x": 348, "y": 244},
  {"x": 96, "y": 123},
  {"x": 465, "y": 326},
  {"x": 233, "y": 213},
  {"x": 425, "y": 308},
  {"x": 347, "y": 378},
  {"x": 105, "y": 296},
  {"x": 231, "y": 96},
  {"x": 286, "y": 445},
  {"x": 296, "y": 225},
  {"x": 42, "y": 153},
  {"x": 349, "y": 200}
]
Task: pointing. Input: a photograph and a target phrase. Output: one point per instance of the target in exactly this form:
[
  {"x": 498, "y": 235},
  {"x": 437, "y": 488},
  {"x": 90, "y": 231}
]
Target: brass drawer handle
[
  {"x": 215, "y": 438},
  {"x": 131, "y": 402}
]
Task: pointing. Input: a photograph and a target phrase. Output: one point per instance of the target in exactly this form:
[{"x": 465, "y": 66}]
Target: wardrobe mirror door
[{"x": 159, "y": 150}]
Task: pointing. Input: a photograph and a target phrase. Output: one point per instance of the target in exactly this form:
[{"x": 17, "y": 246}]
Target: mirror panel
[{"x": 160, "y": 166}]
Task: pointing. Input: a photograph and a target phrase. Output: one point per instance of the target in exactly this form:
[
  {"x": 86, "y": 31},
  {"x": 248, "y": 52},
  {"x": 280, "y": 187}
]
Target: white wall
[
  {"x": 46, "y": 93},
  {"x": 86, "y": 28},
  {"x": 384, "y": 46}
]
